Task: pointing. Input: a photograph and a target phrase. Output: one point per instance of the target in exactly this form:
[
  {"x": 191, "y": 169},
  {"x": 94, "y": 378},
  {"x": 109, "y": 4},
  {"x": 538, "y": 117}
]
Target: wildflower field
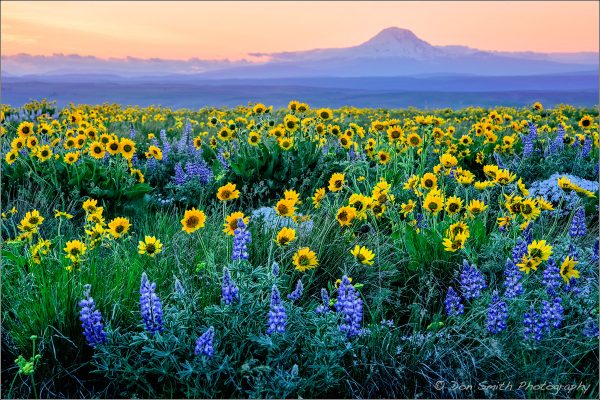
[{"x": 300, "y": 252}]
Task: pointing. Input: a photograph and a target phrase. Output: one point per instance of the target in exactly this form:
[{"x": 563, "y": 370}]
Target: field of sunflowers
[{"x": 301, "y": 252}]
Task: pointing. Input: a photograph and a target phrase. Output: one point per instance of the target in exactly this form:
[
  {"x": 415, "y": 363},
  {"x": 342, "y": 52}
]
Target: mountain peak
[{"x": 399, "y": 42}]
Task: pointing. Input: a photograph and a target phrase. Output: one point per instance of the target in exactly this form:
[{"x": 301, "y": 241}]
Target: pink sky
[{"x": 215, "y": 30}]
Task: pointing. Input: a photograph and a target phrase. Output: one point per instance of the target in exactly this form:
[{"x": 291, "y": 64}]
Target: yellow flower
[
  {"x": 285, "y": 236},
  {"x": 476, "y": 207},
  {"x": 97, "y": 150},
  {"x": 32, "y": 219},
  {"x": 305, "y": 259},
  {"x": 458, "y": 228},
  {"x": 384, "y": 157},
  {"x": 406, "y": 208},
  {"x": 118, "y": 227},
  {"x": 11, "y": 156},
  {"x": 318, "y": 197},
  {"x": 193, "y": 220},
  {"x": 90, "y": 206},
  {"x": 150, "y": 246},
  {"x": 127, "y": 147},
  {"x": 285, "y": 143},
  {"x": 324, "y": 113},
  {"x": 528, "y": 263},
  {"x": 228, "y": 192},
  {"x": 433, "y": 203},
  {"x": 285, "y": 207},
  {"x": 231, "y": 222},
  {"x": 361, "y": 203},
  {"x": 293, "y": 196},
  {"x": 43, "y": 153},
  {"x": 414, "y": 140},
  {"x": 345, "y": 215},
  {"x": 363, "y": 255},
  {"x": 336, "y": 182},
  {"x": 71, "y": 158},
  {"x": 62, "y": 214},
  {"x": 522, "y": 188},
  {"x": 538, "y": 249},
  {"x": 453, "y": 205},
  {"x": 254, "y": 138},
  {"x": 429, "y": 181},
  {"x": 504, "y": 177},
  {"x": 529, "y": 209},
  {"x": 454, "y": 243},
  {"x": 113, "y": 146},
  {"x": 75, "y": 249},
  {"x": 567, "y": 269},
  {"x": 586, "y": 121}
]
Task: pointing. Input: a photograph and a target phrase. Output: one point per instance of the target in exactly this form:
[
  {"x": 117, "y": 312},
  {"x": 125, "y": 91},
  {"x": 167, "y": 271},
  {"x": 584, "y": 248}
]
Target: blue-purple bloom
[
  {"x": 578, "y": 227},
  {"x": 179, "y": 177},
  {"x": 552, "y": 279},
  {"x": 590, "y": 329},
  {"x": 297, "y": 293},
  {"x": 324, "y": 308},
  {"x": 91, "y": 319},
  {"x": 275, "y": 269},
  {"x": 472, "y": 281},
  {"x": 497, "y": 315},
  {"x": 277, "y": 315},
  {"x": 241, "y": 239},
  {"x": 533, "y": 329},
  {"x": 150, "y": 305},
  {"x": 452, "y": 303},
  {"x": 552, "y": 313},
  {"x": 512, "y": 283},
  {"x": 229, "y": 290},
  {"x": 204, "y": 344},
  {"x": 350, "y": 305}
]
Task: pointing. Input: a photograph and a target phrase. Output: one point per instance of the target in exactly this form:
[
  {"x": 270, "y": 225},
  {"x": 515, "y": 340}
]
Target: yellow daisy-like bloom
[
  {"x": 291, "y": 123},
  {"x": 32, "y": 219},
  {"x": 429, "y": 181},
  {"x": 458, "y": 228},
  {"x": 586, "y": 121},
  {"x": 155, "y": 152},
  {"x": 127, "y": 147},
  {"x": 90, "y": 206},
  {"x": 361, "y": 203},
  {"x": 97, "y": 150},
  {"x": 75, "y": 249},
  {"x": 453, "y": 205},
  {"x": 150, "y": 246},
  {"x": 455, "y": 243},
  {"x": 43, "y": 153},
  {"x": 522, "y": 188},
  {"x": 25, "y": 128},
  {"x": 254, "y": 138},
  {"x": 198, "y": 142},
  {"x": 285, "y": 143},
  {"x": 345, "y": 215},
  {"x": 11, "y": 156},
  {"x": 504, "y": 177},
  {"x": 363, "y": 255},
  {"x": 336, "y": 182},
  {"x": 565, "y": 183},
  {"x": 408, "y": 207},
  {"x": 18, "y": 143},
  {"x": 62, "y": 214},
  {"x": 318, "y": 197},
  {"x": 433, "y": 203},
  {"x": 119, "y": 227},
  {"x": 448, "y": 160},
  {"x": 285, "y": 207},
  {"x": 228, "y": 192},
  {"x": 292, "y": 195},
  {"x": 324, "y": 114},
  {"x": 32, "y": 142},
  {"x": 231, "y": 222},
  {"x": 528, "y": 263},
  {"x": 414, "y": 140},
  {"x": 384, "y": 157},
  {"x": 567, "y": 269},
  {"x": 305, "y": 259},
  {"x": 193, "y": 220},
  {"x": 285, "y": 236},
  {"x": 538, "y": 249},
  {"x": 476, "y": 207},
  {"x": 529, "y": 209},
  {"x": 113, "y": 147},
  {"x": 71, "y": 158}
]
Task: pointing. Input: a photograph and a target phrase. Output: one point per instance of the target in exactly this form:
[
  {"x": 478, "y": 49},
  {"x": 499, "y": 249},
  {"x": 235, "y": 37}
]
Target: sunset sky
[{"x": 216, "y": 30}]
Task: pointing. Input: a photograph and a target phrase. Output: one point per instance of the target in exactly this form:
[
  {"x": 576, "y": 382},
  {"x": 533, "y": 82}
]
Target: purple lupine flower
[
  {"x": 350, "y": 305},
  {"x": 472, "y": 281},
  {"x": 519, "y": 250},
  {"x": 241, "y": 239},
  {"x": 586, "y": 148},
  {"x": 532, "y": 329},
  {"x": 560, "y": 137},
  {"x": 572, "y": 287},
  {"x": 578, "y": 227},
  {"x": 552, "y": 279},
  {"x": 132, "y": 132},
  {"x": 297, "y": 293},
  {"x": 199, "y": 169},
  {"x": 512, "y": 282},
  {"x": 229, "y": 290},
  {"x": 166, "y": 149},
  {"x": 204, "y": 344},
  {"x": 91, "y": 319},
  {"x": 275, "y": 269},
  {"x": 528, "y": 140},
  {"x": 151, "y": 164},
  {"x": 179, "y": 178},
  {"x": 497, "y": 315},
  {"x": 595, "y": 251},
  {"x": 590, "y": 329},
  {"x": 553, "y": 313},
  {"x": 277, "y": 315},
  {"x": 182, "y": 145},
  {"x": 453, "y": 304},
  {"x": 222, "y": 160},
  {"x": 150, "y": 305},
  {"x": 573, "y": 252},
  {"x": 323, "y": 308}
]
